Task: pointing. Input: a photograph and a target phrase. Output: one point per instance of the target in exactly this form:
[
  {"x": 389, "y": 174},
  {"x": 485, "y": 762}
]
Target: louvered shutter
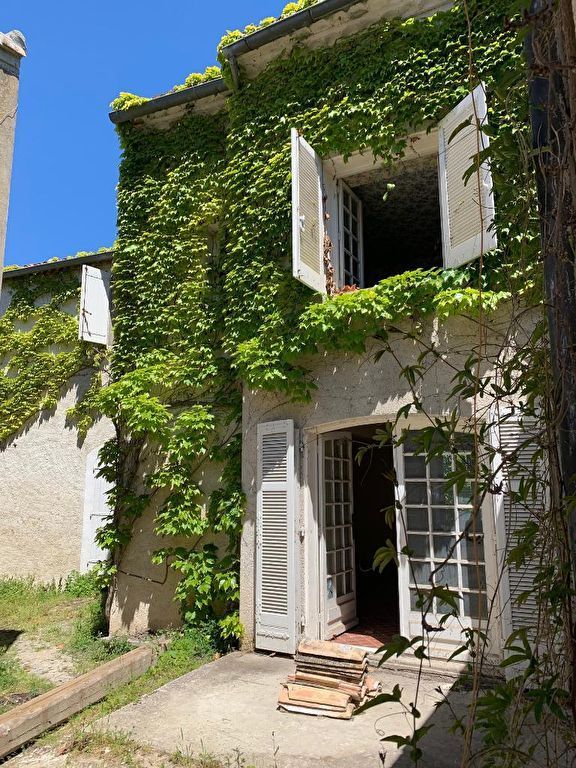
[
  {"x": 467, "y": 210},
  {"x": 96, "y": 513},
  {"x": 516, "y": 431},
  {"x": 307, "y": 215},
  {"x": 276, "y": 538},
  {"x": 94, "y": 321}
]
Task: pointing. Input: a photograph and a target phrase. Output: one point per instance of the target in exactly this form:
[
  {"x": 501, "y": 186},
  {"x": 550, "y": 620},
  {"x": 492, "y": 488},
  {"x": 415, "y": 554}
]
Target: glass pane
[
  {"x": 328, "y": 448},
  {"x": 443, "y": 545},
  {"x": 340, "y": 561},
  {"x": 441, "y": 494},
  {"x": 416, "y": 493},
  {"x": 348, "y": 513},
  {"x": 330, "y": 588},
  {"x": 346, "y": 491},
  {"x": 475, "y": 605},
  {"x": 338, "y": 514},
  {"x": 329, "y": 492},
  {"x": 337, "y": 491},
  {"x": 353, "y": 206},
  {"x": 330, "y": 540},
  {"x": 328, "y": 473},
  {"x": 465, "y": 494},
  {"x": 473, "y": 576},
  {"x": 415, "y": 466},
  {"x": 446, "y": 608},
  {"x": 346, "y": 217},
  {"x": 472, "y": 548},
  {"x": 340, "y": 585},
  {"x": 338, "y": 470},
  {"x": 331, "y": 563},
  {"x": 346, "y": 470},
  {"x": 348, "y": 559},
  {"x": 348, "y": 536},
  {"x": 330, "y": 515},
  {"x": 443, "y": 519},
  {"x": 355, "y": 227},
  {"x": 418, "y": 599},
  {"x": 440, "y": 466},
  {"x": 348, "y": 582},
  {"x": 417, "y": 519},
  {"x": 464, "y": 517},
  {"x": 447, "y": 575},
  {"x": 419, "y": 572},
  {"x": 339, "y": 448},
  {"x": 419, "y": 546}
]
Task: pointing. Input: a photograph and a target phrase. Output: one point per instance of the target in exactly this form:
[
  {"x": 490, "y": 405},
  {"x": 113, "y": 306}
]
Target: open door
[{"x": 337, "y": 543}]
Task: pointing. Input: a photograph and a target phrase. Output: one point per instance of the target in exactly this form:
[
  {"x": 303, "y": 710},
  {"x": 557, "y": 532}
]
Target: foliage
[
  {"x": 237, "y": 34},
  {"x": 40, "y": 349},
  {"x": 82, "y": 584},
  {"x": 203, "y": 295}
]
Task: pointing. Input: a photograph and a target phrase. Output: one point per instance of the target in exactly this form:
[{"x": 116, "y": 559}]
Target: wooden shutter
[
  {"x": 94, "y": 321},
  {"x": 96, "y": 513},
  {"x": 467, "y": 210},
  {"x": 307, "y": 215},
  {"x": 514, "y": 432},
  {"x": 275, "y": 538}
]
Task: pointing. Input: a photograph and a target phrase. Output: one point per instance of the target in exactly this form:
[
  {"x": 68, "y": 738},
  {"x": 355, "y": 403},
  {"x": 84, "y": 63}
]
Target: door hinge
[{"x": 302, "y": 533}]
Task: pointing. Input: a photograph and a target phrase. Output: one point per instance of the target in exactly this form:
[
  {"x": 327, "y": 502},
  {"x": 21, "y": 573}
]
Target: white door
[
  {"x": 435, "y": 523},
  {"x": 337, "y": 539},
  {"x": 96, "y": 513}
]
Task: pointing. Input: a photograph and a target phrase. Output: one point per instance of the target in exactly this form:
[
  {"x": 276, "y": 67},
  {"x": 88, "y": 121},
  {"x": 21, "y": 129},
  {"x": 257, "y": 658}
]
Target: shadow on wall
[{"x": 79, "y": 385}]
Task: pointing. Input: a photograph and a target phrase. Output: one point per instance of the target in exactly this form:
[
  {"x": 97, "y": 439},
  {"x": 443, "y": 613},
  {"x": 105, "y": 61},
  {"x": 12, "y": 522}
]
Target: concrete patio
[{"x": 229, "y": 706}]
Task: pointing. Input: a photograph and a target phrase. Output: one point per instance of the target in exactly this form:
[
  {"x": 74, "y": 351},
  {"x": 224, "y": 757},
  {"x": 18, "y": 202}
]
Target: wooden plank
[
  {"x": 313, "y": 695},
  {"x": 284, "y": 698},
  {"x": 32, "y": 718},
  {"x": 332, "y": 650},
  {"x": 300, "y": 710}
]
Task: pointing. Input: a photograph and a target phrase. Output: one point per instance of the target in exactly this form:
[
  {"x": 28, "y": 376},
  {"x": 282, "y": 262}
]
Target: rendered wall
[
  {"x": 351, "y": 389},
  {"x": 42, "y": 477}
]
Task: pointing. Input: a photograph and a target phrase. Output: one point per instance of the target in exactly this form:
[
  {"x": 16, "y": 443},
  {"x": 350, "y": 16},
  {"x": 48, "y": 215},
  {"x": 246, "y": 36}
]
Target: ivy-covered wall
[
  {"x": 205, "y": 300},
  {"x": 46, "y": 435}
]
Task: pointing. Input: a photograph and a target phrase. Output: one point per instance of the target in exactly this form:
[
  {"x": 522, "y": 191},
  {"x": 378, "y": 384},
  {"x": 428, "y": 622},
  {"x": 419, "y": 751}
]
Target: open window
[{"x": 368, "y": 222}]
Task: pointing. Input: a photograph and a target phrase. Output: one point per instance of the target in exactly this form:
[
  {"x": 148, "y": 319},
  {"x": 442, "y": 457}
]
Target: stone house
[
  {"x": 314, "y": 515},
  {"x": 51, "y": 498}
]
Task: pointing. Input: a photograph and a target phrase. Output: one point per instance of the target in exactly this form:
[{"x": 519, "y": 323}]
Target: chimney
[{"x": 12, "y": 50}]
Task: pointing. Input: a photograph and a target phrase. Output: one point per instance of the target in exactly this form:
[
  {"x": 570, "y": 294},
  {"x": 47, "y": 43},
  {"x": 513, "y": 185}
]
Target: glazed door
[{"x": 337, "y": 539}]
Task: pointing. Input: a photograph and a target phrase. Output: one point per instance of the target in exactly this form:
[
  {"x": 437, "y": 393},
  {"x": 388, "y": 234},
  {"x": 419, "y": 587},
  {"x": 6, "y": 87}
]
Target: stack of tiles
[{"x": 330, "y": 680}]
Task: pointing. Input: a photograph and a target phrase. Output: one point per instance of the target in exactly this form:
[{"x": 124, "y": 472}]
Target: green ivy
[
  {"x": 204, "y": 296},
  {"x": 40, "y": 349}
]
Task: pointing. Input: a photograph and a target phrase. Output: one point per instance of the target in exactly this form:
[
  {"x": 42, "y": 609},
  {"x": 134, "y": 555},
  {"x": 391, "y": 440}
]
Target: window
[
  {"x": 371, "y": 223},
  {"x": 94, "y": 320},
  {"x": 441, "y": 534}
]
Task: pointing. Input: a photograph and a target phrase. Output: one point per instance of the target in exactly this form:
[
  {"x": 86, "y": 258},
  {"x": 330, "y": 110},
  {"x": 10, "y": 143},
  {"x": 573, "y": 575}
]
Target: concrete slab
[{"x": 230, "y": 705}]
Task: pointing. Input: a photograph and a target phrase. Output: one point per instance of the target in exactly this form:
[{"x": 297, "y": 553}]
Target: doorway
[{"x": 361, "y": 603}]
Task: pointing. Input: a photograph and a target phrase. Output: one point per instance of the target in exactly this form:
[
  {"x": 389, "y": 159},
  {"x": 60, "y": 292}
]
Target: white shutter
[
  {"x": 467, "y": 211},
  {"x": 94, "y": 321},
  {"x": 516, "y": 431},
  {"x": 96, "y": 513},
  {"x": 276, "y": 538},
  {"x": 307, "y": 215}
]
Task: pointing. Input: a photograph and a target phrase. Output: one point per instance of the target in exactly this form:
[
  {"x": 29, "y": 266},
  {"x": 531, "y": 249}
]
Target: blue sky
[{"x": 80, "y": 56}]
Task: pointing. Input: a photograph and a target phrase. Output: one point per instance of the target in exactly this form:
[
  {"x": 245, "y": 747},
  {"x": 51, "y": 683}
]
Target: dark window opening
[{"x": 400, "y": 223}]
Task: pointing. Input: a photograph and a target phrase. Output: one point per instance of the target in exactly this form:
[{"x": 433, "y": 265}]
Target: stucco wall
[
  {"x": 144, "y": 596},
  {"x": 42, "y": 477},
  {"x": 352, "y": 389}
]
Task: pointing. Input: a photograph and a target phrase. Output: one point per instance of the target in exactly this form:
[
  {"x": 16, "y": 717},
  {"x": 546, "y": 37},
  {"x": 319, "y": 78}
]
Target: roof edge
[
  {"x": 282, "y": 27},
  {"x": 48, "y": 266},
  {"x": 172, "y": 99}
]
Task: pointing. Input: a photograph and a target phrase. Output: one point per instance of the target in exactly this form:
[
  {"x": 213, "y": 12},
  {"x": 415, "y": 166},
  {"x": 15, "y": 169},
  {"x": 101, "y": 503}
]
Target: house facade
[
  {"x": 277, "y": 227},
  {"x": 53, "y": 317}
]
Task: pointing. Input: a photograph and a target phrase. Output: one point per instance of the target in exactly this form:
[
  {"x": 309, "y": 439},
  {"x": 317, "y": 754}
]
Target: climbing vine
[
  {"x": 40, "y": 349},
  {"x": 204, "y": 297}
]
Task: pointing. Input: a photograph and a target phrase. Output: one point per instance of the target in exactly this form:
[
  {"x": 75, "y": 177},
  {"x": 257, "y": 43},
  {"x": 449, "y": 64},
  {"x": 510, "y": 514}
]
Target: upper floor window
[
  {"x": 94, "y": 323},
  {"x": 370, "y": 222}
]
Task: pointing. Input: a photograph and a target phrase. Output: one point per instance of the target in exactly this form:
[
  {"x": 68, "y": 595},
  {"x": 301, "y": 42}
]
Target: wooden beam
[{"x": 28, "y": 720}]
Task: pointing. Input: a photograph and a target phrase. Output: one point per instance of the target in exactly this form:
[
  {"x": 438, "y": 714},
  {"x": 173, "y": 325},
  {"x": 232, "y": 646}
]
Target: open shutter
[
  {"x": 515, "y": 432},
  {"x": 96, "y": 513},
  {"x": 275, "y": 538},
  {"x": 467, "y": 206},
  {"x": 94, "y": 322},
  {"x": 307, "y": 215}
]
